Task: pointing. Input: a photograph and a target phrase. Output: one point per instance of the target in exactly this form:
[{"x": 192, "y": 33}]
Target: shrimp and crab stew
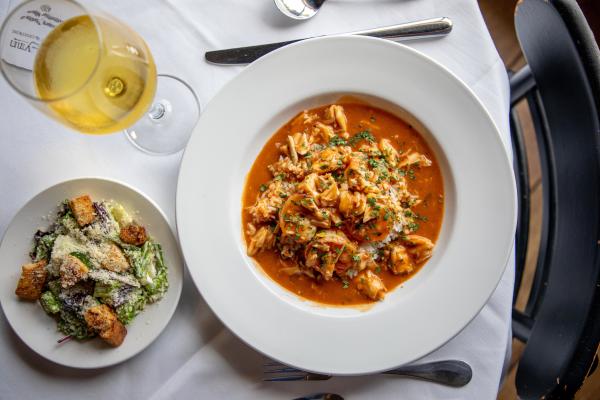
[{"x": 343, "y": 204}]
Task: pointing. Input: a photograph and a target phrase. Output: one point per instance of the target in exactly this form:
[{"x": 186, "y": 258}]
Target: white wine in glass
[
  {"x": 118, "y": 92},
  {"x": 94, "y": 74}
]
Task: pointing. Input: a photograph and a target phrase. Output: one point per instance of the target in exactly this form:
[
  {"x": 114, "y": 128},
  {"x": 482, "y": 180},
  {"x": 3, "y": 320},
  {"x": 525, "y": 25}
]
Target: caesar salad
[{"x": 94, "y": 270}]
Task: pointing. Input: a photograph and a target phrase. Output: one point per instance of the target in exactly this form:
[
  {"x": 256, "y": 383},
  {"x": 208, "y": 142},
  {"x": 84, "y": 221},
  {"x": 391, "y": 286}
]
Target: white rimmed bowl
[{"x": 426, "y": 311}]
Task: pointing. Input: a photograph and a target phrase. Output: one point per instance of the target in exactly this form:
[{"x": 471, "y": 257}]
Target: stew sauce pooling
[{"x": 343, "y": 204}]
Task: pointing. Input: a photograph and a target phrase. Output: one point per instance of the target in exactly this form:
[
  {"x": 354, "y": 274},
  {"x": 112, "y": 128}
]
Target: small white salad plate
[
  {"x": 426, "y": 311},
  {"x": 28, "y": 319}
]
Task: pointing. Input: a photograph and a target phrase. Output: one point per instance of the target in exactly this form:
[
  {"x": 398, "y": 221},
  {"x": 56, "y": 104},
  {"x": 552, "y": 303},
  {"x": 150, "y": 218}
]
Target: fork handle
[{"x": 454, "y": 373}]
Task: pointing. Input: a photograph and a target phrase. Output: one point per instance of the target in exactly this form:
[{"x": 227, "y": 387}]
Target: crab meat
[
  {"x": 399, "y": 260},
  {"x": 309, "y": 185},
  {"x": 355, "y": 174},
  {"x": 294, "y": 221},
  {"x": 329, "y": 197},
  {"x": 301, "y": 143},
  {"x": 335, "y": 114},
  {"x": 267, "y": 203},
  {"x": 292, "y": 149},
  {"x": 263, "y": 239},
  {"x": 328, "y": 251},
  {"x": 419, "y": 247},
  {"x": 370, "y": 285},
  {"x": 389, "y": 152},
  {"x": 329, "y": 160},
  {"x": 413, "y": 158},
  {"x": 352, "y": 203},
  {"x": 325, "y": 131}
]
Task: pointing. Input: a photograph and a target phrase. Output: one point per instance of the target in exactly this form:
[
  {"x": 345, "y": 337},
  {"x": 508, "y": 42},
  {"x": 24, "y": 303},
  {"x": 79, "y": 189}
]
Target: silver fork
[{"x": 454, "y": 373}]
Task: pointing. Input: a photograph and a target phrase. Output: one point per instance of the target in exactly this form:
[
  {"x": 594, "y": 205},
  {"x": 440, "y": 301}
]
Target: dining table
[{"x": 196, "y": 356}]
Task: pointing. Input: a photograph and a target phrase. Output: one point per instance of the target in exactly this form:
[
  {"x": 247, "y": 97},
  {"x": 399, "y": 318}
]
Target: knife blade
[{"x": 411, "y": 30}]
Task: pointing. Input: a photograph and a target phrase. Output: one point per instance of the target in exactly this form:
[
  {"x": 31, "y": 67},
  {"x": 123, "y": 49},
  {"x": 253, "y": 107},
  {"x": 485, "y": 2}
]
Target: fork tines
[{"x": 274, "y": 371}]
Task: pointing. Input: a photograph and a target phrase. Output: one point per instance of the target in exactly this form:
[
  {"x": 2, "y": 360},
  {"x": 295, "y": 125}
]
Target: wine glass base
[{"x": 167, "y": 126}]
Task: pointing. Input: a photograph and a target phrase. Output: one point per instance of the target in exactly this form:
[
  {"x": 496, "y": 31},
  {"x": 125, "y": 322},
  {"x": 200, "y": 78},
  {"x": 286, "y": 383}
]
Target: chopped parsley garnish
[
  {"x": 283, "y": 195},
  {"x": 413, "y": 226},
  {"x": 373, "y": 163},
  {"x": 421, "y": 217},
  {"x": 371, "y": 201},
  {"x": 262, "y": 187},
  {"x": 345, "y": 284},
  {"x": 337, "y": 141},
  {"x": 377, "y": 269},
  {"x": 384, "y": 174},
  {"x": 363, "y": 135},
  {"x": 338, "y": 176},
  {"x": 356, "y": 258}
]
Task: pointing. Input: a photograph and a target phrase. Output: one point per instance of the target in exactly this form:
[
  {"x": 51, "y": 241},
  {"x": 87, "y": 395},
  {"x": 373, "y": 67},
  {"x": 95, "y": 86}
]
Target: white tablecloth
[{"x": 196, "y": 357}]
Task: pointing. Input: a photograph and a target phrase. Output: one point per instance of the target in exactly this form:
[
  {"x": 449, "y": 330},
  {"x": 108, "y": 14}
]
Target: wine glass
[{"x": 94, "y": 74}]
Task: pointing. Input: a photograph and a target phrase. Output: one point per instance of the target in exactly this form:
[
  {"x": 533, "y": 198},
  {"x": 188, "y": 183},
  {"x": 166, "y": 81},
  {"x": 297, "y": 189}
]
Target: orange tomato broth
[{"x": 428, "y": 185}]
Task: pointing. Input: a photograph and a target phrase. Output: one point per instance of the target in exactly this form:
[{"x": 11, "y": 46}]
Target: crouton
[
  {"x": 133, "y": 234},
  {"x": 103, "y": 320},
  {"x": 99, "y": 318},
  {"x": 114, "y": 259},
  {"x": 83, "y": 209},
  {"x": 33, "y": 277},
  {"x": 115, "y": 335},
  {"x": 71, "y": 271}
]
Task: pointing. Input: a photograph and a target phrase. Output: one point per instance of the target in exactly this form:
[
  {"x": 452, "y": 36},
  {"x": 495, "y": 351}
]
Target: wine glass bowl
[{"x": 93, "y": 73}]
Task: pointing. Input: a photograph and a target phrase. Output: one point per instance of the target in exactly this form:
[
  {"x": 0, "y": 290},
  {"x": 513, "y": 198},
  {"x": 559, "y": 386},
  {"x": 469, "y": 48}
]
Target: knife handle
[{"x": 410, "y": 30}]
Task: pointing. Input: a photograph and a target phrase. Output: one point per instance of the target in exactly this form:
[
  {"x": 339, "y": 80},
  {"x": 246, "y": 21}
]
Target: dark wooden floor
[{"x": 499, "y": 16}]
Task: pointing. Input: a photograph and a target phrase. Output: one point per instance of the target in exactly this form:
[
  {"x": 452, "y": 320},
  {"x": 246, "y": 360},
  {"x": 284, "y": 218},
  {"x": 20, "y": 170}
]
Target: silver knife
[{"x": 410, "y": 30}]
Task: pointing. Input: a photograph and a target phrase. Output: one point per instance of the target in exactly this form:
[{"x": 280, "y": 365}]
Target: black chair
[{"x": 561, "y": 84}]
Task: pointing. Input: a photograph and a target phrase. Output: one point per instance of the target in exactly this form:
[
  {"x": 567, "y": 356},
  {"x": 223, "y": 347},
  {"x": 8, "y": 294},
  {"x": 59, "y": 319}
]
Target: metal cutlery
[
  {"x": 454, "y": 373},
  {"x": 321, "y": 396},
  {"x": 411, "y": 30},
  {"x": 299, "y": 9}
]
